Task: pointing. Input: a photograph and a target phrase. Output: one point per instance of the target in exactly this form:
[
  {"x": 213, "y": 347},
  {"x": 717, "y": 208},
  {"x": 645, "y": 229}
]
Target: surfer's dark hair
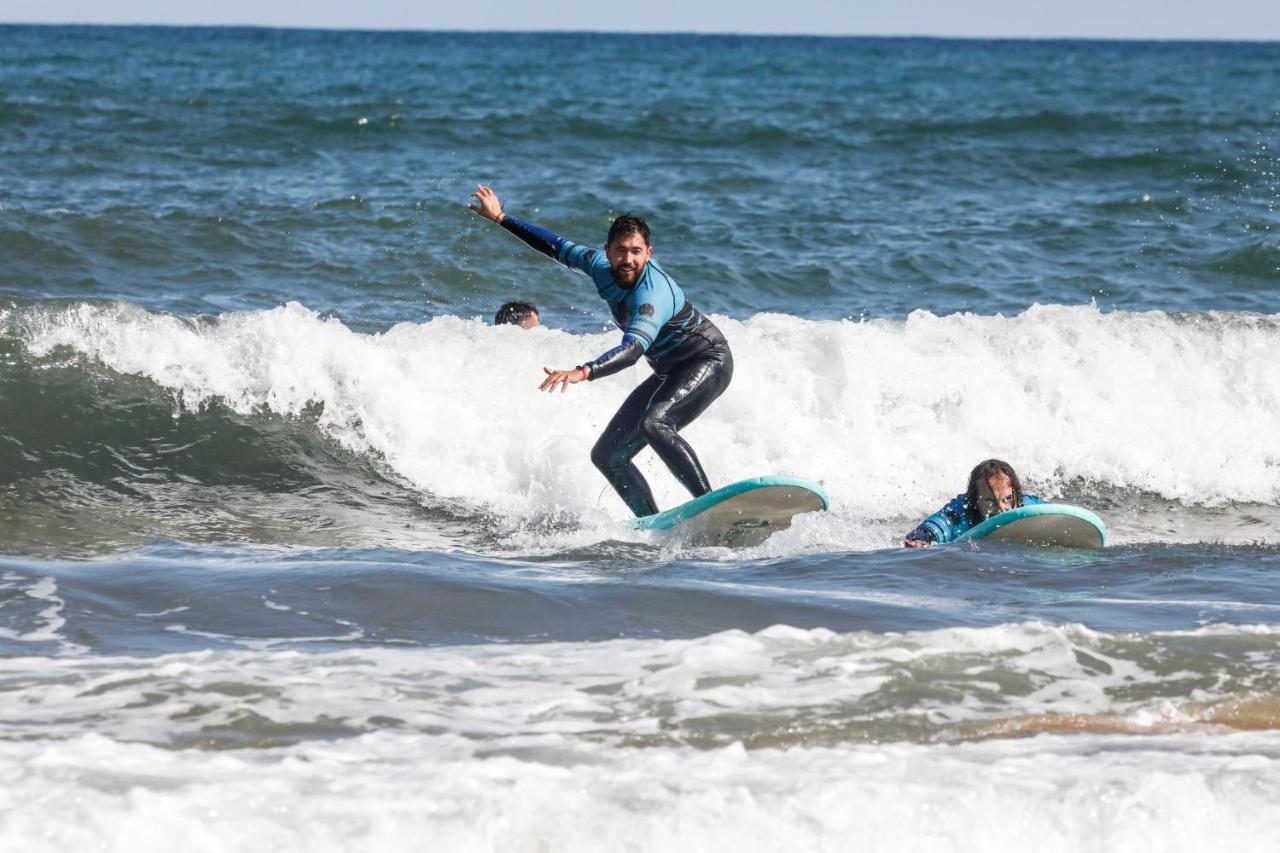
[
  {"x": 515, "y": 313},
  {"x": 626, "y": 224},
  {"x": 984, "y": 471}
]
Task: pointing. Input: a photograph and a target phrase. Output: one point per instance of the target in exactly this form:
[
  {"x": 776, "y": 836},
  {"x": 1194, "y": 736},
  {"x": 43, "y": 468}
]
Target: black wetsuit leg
[
  {"x": 618, "y": 445},
  {"x": 653, "y": 414}
]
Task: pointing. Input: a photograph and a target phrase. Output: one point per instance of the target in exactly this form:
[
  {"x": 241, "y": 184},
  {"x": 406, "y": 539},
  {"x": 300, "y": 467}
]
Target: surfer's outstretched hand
[
  {"x": 563, "y": 378},
  {"x": 487, "y": 203}
]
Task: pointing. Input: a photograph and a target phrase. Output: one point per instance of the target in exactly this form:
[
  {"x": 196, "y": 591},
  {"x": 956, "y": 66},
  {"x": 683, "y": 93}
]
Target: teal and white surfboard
[
  {"x": 1059, "y": 525},
  {"x": 739, "y": 515}
]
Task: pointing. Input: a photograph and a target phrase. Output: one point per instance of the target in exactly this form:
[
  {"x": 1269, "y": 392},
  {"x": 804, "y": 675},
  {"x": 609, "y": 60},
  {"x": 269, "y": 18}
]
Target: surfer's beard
[{"x": 632, "y": 275}]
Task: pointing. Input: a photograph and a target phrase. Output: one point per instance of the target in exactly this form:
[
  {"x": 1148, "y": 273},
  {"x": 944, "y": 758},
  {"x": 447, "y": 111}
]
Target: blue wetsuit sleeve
[
  {"x": 945, "y": 524},
  {"x": 584, "y": 258},
  {"x": 541, "y": 239},
  {"x": 921, "y": 534},
  {"x": 572, "y": 255},
  {"x": 1030, "y": 500},
  {"x": 619, "y": 358}
]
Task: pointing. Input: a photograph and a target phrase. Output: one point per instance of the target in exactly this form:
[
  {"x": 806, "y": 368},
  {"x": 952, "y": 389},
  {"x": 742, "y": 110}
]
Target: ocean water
[{"x": 294, "y": 555}]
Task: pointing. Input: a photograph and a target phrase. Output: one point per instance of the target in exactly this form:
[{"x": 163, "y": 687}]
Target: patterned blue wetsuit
[
  {"x": 953, "y": 520},
  {"x": 691, "y": 362}
]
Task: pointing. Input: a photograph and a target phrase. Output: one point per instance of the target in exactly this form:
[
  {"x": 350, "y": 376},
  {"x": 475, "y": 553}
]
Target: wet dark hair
[
  {"x": 984, "y": 471},
  {"x": 628, "y": 224},
  {"x": 514, "y": 313}
]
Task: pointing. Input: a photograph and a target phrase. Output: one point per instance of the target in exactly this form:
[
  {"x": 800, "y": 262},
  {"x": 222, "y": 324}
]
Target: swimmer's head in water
[
  {"x": 628, "y": 248},
  {"x": 522, "y": 314},
  {"x": 993, "y": 488}
]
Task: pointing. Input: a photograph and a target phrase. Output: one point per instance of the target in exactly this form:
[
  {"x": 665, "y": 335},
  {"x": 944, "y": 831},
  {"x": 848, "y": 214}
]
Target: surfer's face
[
  {"x": 995, "y": 495},
  {"x": 627, "y": 256}
]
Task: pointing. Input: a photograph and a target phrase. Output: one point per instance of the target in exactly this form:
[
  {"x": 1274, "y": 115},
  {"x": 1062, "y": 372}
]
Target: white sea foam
[
  {"x": 640, "y": 745},
  {"x": 781, "y": 685},
  {"x": 889, "y": 415},
  {"x": 397, "y": 792}
]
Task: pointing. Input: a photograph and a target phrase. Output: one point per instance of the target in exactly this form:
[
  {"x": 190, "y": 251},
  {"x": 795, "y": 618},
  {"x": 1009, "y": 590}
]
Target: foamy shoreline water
[
  {"x": 615, "y": 746},
  {"x": 403, "y": 793}
]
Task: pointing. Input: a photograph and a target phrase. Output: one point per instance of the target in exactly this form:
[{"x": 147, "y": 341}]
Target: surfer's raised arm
[
  {"x": 489, "y": 206},
  {"x": 573, "y": 255}
]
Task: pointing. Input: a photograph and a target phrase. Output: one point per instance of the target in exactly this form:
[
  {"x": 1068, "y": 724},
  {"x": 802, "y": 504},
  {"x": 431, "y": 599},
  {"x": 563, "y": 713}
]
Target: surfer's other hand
[
  {"x": 563, "y": 378},
  {"x": 914, "y": 543},
  {"x": 487, "y": 203}
]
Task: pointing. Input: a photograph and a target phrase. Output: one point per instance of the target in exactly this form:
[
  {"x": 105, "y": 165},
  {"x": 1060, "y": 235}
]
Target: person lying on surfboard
[
  {"x": 993, "y": 488},
  {"x": 691, "y": 361}
]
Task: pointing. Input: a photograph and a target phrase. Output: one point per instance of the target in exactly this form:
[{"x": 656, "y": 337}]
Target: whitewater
[{"x": 888, "y": 415}]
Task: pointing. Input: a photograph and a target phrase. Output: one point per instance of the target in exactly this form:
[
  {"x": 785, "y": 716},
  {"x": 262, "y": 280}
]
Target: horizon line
[{"x": 724, "y": 33}]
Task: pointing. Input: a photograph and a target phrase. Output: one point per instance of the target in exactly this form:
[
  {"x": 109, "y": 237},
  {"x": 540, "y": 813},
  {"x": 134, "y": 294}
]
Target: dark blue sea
[{"x": 295, "y": 555}]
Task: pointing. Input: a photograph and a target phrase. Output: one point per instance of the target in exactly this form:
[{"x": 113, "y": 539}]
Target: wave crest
[{"x": 890, "y": 415}]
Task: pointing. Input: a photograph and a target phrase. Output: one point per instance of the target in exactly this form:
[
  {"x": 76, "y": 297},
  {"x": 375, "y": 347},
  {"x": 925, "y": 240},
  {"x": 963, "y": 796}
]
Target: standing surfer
[{"x": 691, "y": 361}]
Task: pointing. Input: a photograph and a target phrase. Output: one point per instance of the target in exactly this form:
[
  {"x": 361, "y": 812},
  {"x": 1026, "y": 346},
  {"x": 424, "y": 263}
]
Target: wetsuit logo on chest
[{"x": 645, "y": 310}]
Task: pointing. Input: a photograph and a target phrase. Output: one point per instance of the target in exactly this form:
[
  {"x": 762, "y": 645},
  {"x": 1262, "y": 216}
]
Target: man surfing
[{"x": 691, "y": 361}]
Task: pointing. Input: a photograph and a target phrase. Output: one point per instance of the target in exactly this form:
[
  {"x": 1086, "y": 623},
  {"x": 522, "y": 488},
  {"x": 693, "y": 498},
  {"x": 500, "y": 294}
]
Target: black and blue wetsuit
[{"x": 691, "y": 362}]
